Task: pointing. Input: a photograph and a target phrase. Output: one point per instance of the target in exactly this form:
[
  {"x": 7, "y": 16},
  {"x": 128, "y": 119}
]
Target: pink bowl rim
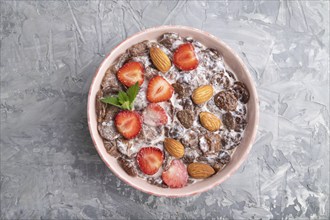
[{"x": 253, "y": 91}]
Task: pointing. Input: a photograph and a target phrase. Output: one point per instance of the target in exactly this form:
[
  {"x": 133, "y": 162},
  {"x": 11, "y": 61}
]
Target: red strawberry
[
  {"x": 128, "y": 123},
  {"x": 150, "y": 159},
  {"x": 131, "y": 73},
  {"x": 159, "y": 90},
  {"x": 184, "y": 57},
  {"x": 154, "y": 115},
  {"x": 176, "y": 176}
]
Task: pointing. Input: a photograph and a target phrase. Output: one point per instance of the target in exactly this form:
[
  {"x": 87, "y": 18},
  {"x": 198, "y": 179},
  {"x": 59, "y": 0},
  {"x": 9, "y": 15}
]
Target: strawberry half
[
  {"x": 150, "y": 159},
  {"x": 185, "y": 58},
  {"x": 131, "y": 73},
  {"x": 176, "y": 176},
  {"x": 154, "y": 115},
  {"x": 128, "y": 123},
  {"x": 159, "y": 90}
]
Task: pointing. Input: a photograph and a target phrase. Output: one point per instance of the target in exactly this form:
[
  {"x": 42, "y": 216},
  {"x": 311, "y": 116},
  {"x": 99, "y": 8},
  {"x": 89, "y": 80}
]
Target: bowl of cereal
[{"x": 173, "y": 111}]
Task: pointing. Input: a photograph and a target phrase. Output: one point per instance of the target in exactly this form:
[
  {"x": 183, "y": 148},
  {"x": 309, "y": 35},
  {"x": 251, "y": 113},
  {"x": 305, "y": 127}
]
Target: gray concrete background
[{"x": 49, "y": 53}]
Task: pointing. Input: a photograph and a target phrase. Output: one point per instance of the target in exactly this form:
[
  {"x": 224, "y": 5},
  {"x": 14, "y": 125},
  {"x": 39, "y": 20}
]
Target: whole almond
[
  {"x": 174, "y": 147},
  {"x": 200, "y": 170},
  {"x": 160, "y": 59},
  {"x": 202, "y": 94},
  {"x": 209, "y": 121}
]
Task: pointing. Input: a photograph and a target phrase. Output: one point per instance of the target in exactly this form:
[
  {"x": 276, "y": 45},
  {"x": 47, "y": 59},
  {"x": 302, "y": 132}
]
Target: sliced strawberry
[
  {"x": 185, "y": 58},
  {"x": 128, "y": 123},
  {"x": 159, "y": 90},
  {"x": 150, "y": 159},
  {"x": 154, "y": 115},
  {"x": 176, "y": 176},
  {"x": 131, "y": 73}
]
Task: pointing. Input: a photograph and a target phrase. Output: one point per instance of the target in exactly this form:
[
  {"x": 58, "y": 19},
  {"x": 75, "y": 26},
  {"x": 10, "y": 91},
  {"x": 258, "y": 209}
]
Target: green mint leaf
[
  {"x": 124, "y": 100},
  {"x": 112, "y": 100},
  {"x": 126, "y": 105},
  {"x": 132, "y": 92},
  {"x": 122, "y": 97}
]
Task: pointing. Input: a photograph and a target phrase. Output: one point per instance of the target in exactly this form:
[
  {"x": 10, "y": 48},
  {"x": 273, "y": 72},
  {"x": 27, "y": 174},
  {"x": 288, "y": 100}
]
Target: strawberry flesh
[
  {"x": 131, "y": 73},
  {"x": 159, "y": 90},
  {"x": 154, "y": 115},
  {"x": 150, "y": 159},
  {"x": 128, "y": 123},
  {"x": 185, "y": 58},
  {"x": 176, "y": 176}
]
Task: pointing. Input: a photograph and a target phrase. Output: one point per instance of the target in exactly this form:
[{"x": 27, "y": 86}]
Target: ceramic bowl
[{"x": 232, "y": 60}]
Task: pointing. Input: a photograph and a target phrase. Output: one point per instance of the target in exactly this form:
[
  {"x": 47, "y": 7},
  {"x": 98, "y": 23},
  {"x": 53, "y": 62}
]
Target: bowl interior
[{"x": 232, "y": 61}]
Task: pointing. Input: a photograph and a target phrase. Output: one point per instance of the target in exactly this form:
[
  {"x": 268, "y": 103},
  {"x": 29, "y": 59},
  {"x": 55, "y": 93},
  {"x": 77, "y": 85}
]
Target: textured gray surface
[{"x": 49, "y": 53}]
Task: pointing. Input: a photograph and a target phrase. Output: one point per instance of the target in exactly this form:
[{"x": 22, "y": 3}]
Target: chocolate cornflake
[
  {"x": 139, "y": 49},
  {"x": 100, "y": 107},
  {"x": 119, "y": 62},
  {"x": 127, "y": 165},
  {"x": 228, "y": 121},
  {"x": 111, "y": 112},
  {"x": 156, "y": 181},
  {"x": 111, "y": 147},
  {"x": 240, "y": 124},
  {"x": 150, "y": 73},
  {"x": 230, "y": 142},
  {"x": 225, "y": 100},
  {"x": 174, "y": 131},
  {"x": 221, "y": 80},
  {"x": 241, "y": 92},
  {"x": 224, "y": 157},
  {"x": 186, "y": 118},
  {"x": 179, "y": 89},
  {"x": 107, "y": 130},
  {"x": 217, "y": 167},
  {"x": 168, "y": 40},
  {"x": 187, "y": 104},
  {"x": 190, "y": 155},
  {"x": 210, "y": 143},
  {"x": 231, "y": 75},
  {"x": 190, "y": 139}
]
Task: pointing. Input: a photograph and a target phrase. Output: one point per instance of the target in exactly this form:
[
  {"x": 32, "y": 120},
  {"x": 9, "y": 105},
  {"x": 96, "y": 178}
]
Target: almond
[
  {"x": 200, "y": 170},
  {"x": 174, "y": 147},
  {"x": 160, "y": 59},
  {"x": 202, "y": 94},
  {"x": 210, "y": 121}
]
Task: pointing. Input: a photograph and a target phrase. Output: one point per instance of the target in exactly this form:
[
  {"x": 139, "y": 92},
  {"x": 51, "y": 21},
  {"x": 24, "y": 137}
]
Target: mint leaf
[
  {"x": 124, "y": 100},
  {"x": 131, "y": 106},
  {"x": 112, "y": 100},
  {"x": 126, "y": 105},
  {"x": 132, "y": 92},
  {"x": 122, "y": 97}
]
